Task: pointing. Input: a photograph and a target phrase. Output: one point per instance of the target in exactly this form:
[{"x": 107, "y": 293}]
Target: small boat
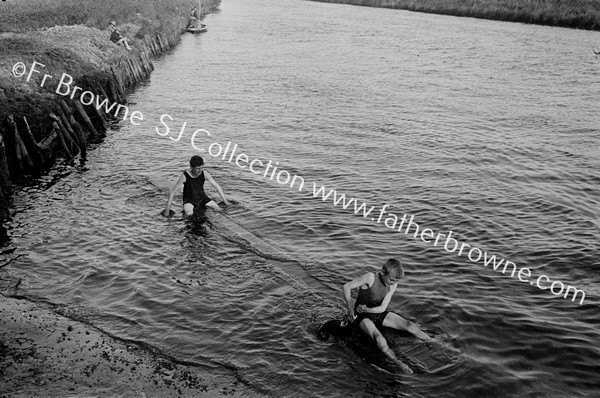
[
  {"x": 197, "y": 29},
  {"x": 194, "y": 25}
]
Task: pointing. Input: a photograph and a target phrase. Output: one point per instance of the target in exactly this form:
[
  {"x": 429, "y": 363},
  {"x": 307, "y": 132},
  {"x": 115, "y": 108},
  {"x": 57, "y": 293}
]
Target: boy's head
[
  {"x": 393, "y": 269},
  {"x": 196, "y": 161}
]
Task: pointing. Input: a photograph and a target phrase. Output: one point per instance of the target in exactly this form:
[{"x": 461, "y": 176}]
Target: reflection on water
[{"x": 483, "y": 128}]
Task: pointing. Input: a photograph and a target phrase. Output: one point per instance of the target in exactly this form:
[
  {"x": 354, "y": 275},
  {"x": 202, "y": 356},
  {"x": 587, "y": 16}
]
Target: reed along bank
[{"x": 579, "y": 14}]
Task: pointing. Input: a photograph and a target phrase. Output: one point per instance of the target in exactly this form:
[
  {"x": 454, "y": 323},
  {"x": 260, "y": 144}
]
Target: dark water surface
[{"x": 484, "y": 128}]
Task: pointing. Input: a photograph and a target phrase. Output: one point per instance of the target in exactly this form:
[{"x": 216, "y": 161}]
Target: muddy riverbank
[{"x": 45, "y": 354}]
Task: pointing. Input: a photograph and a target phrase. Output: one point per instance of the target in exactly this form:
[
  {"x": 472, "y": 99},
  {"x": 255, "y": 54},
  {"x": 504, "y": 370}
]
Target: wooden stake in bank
[
  {"x": 86, "y": 119},
  {"x": 64, "y": 137},
  {"x": 61, "y": 139},
  {"x": 47, "y": 145},
  {"x": 4, "y": 174},
  {"x": 76, "y": 129},
  {"x": 68, "y": 127},
  {"x": 30, "y": 142},
  {"x": 20, "y": 149}
]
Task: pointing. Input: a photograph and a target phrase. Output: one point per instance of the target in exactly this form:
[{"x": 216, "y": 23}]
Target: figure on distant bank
[
  {"x": 194, "y": 19},
  {"x": 116, "y": 37}
]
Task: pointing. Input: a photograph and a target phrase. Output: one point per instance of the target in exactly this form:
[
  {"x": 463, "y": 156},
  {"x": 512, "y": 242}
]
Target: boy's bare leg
[
  {"x": 395, "y": 321},
  {"x": 188, "y": 209},
  {"x": 368, "y": 327},
  {"x": 123, "y": 42},
  {"x": 213, "y": 205}
]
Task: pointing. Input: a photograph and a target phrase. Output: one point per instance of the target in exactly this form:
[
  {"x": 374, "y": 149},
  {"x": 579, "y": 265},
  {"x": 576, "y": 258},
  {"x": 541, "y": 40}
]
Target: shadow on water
[
  {"x": 198, "y": 223},
  {"x": 421, "y": 357}
]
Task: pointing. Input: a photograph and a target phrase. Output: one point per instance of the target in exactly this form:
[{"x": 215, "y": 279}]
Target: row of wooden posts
[{"x": 70, "y": 123}]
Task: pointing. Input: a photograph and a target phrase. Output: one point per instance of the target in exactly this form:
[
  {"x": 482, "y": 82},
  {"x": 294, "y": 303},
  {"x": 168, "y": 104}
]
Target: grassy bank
[
  {"x": 149, "y": 15},
  {"x": 72, "y": 37},
  {"x": 581, "y": 14}
]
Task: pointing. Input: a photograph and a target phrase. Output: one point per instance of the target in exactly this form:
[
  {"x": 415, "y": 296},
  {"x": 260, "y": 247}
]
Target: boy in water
[
  {"x": 370, "y": 310},
  {"x": 193, "y": 189}
]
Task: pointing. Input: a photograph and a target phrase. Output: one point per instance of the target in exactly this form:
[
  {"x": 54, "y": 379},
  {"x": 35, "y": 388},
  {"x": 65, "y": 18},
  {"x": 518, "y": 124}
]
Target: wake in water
[{"x": 421, "y": 357}]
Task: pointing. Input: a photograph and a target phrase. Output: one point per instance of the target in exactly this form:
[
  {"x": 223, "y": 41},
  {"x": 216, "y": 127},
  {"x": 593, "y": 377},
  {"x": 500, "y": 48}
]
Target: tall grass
[
  {"x": 75, "y": 50},
  {"x": 24, "y": 15},
  {"x": 582, "y": 14}
]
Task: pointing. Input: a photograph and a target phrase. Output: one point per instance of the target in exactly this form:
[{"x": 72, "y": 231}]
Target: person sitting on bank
[
  {"x": 375, "y": 290},
  {"x": 116, "y": 37},
  {"x": 193, "y": 189}
]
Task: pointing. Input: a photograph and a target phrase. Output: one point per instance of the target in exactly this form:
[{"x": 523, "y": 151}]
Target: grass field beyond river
[{"x": 581, "y": 14}]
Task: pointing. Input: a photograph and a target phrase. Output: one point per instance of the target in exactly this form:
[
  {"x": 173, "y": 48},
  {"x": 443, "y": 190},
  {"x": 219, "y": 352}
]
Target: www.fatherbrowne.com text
[
  {"x": 405, "y": 224},
  {"x": 270, "y": 170}
]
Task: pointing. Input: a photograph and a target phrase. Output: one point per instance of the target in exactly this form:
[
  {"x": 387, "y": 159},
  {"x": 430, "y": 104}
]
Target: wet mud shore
[{"x": 44, "y": 354}]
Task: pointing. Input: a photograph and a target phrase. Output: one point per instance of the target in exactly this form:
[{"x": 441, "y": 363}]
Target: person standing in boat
[{"x": 193, "y": 189}]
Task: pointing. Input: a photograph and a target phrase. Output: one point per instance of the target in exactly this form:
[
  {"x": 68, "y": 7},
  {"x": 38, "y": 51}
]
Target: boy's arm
[
  {"x": 384, "y": 303},
  {"x": 172, "y": 194},
  {"x": 217, "y": 187},
  {"x": 347, "y": 288}
]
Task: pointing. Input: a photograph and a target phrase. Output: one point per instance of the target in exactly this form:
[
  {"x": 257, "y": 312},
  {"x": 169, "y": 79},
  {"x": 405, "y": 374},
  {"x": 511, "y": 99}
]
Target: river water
[{"x": 484, "y": 128}]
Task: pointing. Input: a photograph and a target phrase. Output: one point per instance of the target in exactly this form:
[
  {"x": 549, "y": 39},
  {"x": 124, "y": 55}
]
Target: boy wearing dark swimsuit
[
  {"x": 370, "y": 309},
  {"x": 193, "y": 189},
  {"x": 116, "y": 37}
]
